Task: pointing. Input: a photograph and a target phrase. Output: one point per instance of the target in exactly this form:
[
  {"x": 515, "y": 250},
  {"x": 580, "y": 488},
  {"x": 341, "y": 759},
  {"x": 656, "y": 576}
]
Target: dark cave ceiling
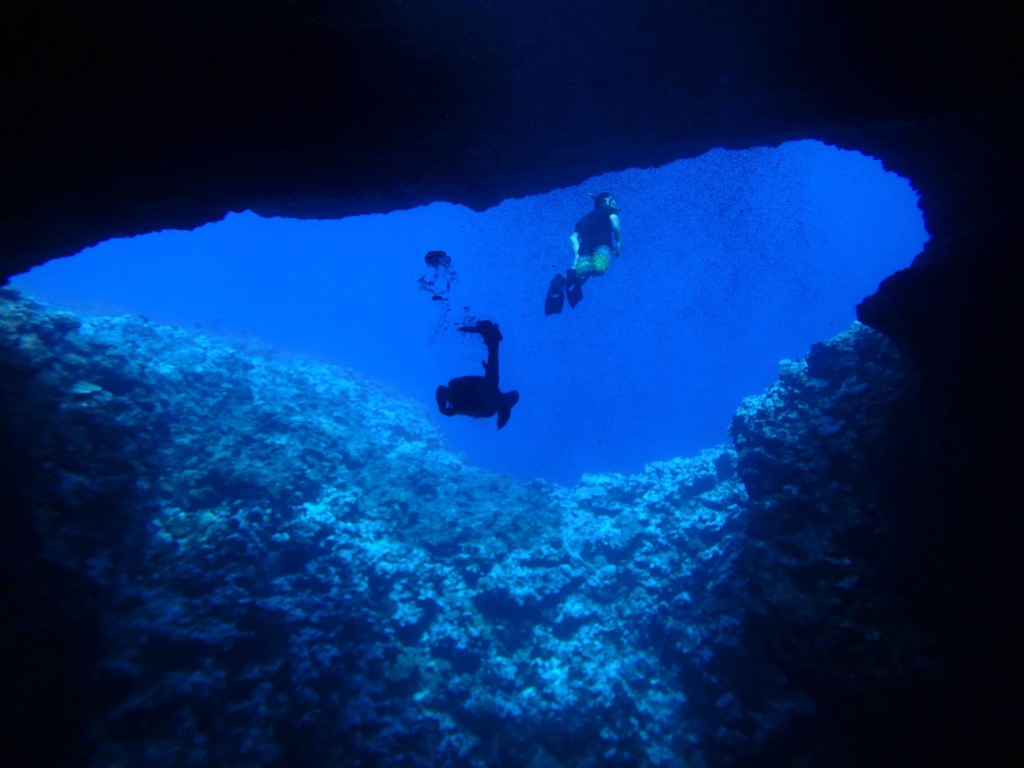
[{"x": 125, "y": 117}]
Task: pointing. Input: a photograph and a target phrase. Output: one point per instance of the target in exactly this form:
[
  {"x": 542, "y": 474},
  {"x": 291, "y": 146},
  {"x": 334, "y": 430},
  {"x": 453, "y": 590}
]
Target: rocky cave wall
[
  {"x": 124, "y": 118},
  {"x": 312, "y": 578}
]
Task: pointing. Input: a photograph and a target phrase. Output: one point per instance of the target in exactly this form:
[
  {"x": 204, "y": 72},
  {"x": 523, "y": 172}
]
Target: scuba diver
[
  {"x": 479, "y": 396},
  {"x": 595, "y": 240}
]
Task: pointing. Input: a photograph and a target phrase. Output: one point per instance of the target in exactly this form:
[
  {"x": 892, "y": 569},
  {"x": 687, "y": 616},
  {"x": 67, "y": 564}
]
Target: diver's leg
[
  {"x": 585, "y": 267},
  {"x": 600, "y": 260},
  {"x": 574, "y": 287},
  {"x": 491, "y": 364},
  {"x": 582, "y": 269},
  {"x": 486, "y": 328}
]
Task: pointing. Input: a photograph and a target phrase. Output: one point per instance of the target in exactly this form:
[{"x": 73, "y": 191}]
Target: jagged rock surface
[
  {"x": 122, "y": 118},
  {"x": 125, "y": 118},
  {"x": 273, "y": 561},
  {"x": 816, "y": 454},
  {"x": 286, "y": 567}
]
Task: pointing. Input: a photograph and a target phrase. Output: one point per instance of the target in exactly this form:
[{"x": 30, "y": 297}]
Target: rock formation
[
  {"x": 125, "y": 118},
  {"x": 122, "y": 118},
  {"x": 311, "y": 577}
]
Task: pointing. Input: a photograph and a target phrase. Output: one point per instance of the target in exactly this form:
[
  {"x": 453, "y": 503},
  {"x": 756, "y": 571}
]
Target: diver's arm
[
  {"x": 491, "y": 364},
  {"x": 616, "y": 234}
]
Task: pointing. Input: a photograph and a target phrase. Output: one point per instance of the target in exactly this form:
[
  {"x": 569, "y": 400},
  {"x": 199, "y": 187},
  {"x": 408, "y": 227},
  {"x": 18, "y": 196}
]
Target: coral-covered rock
[
  {"x": 242, "y": 559},
  {"x": 843, "y": 569},
  {"x": 310, "y": 576}
]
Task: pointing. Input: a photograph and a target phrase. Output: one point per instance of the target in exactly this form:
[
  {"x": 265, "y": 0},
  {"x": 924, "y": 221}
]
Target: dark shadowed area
[{"x": 218, "y": 554}]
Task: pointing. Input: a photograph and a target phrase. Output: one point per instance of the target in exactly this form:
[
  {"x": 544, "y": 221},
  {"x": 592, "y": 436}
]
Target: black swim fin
[
  {"x": 505, "y": 402},
  {"x": 573, "y": 289},
  {"x": 556, "y": 295}
]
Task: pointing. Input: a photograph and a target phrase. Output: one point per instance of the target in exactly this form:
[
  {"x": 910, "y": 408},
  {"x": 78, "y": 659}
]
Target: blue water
[{"x": 730, "y": 263}]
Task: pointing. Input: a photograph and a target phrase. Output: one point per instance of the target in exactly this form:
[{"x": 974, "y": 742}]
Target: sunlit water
[{"x": 731, "y": 262}]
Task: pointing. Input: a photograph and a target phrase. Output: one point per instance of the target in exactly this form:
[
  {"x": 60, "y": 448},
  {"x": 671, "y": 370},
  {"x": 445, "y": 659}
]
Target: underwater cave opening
[{"x": 731, "y": 262}]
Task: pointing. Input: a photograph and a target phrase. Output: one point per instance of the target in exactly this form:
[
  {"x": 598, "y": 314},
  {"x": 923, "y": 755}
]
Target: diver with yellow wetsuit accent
[{"x": 596, "y": 241}]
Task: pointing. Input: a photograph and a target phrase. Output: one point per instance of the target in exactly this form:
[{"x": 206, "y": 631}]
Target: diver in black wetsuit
[
  {"x": 479, "y": 396},
  {"x": 595, "y": 240}
]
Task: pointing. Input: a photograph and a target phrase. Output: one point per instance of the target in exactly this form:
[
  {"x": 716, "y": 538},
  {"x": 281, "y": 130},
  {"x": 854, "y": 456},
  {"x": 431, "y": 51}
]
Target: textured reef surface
[
  {"x": 862, "y": 604},
  {"x": 228, "y": 557}
]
